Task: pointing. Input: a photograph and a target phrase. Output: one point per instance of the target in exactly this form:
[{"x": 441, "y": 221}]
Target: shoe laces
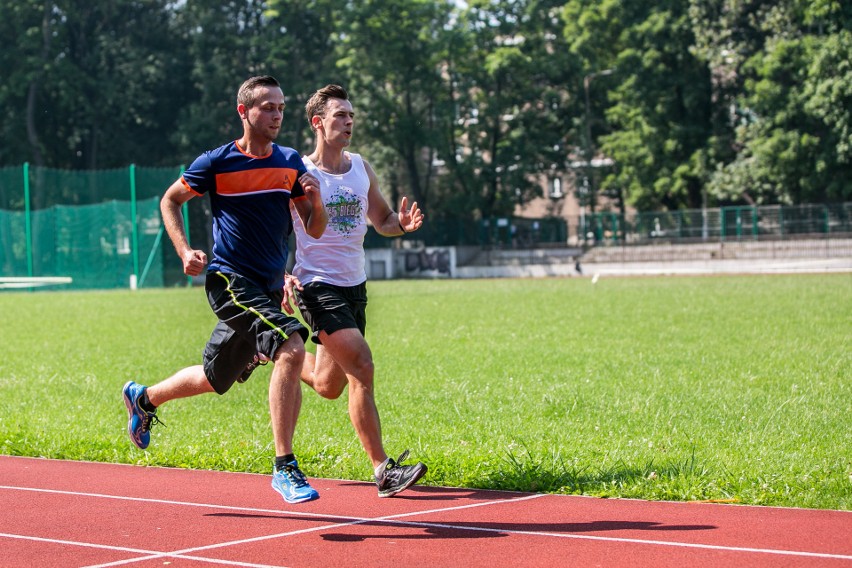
[
  {"x": 149, "y": 420},
  {"x": 295, "y": 475},
  {"x": 402, "y": 457},
  {"x": 395, "y": 468},
  {"x": 259, "y": 359}
]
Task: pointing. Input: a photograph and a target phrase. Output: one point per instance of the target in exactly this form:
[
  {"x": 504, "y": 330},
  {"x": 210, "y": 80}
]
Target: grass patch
[{"x": 732, "y": 388}]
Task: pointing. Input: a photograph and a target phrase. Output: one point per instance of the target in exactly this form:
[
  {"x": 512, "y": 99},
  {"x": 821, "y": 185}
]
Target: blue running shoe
[
  {"x": 140, "y": 421},
  {"x": 291, "y": 483}
]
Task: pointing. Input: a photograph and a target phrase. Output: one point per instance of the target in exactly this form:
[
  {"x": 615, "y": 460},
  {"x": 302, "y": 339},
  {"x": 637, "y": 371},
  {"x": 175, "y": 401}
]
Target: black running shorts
[
  {"x": 330, "y": 308},
  {"x": 250, "y": 323}
]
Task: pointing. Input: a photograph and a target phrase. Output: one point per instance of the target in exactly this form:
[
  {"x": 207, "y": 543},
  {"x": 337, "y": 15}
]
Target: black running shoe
[
  {"x": 397, "y": 477},
  {"x": 256, "y": 362}
]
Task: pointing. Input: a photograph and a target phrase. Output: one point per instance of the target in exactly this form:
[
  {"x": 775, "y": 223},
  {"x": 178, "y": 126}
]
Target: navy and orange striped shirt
[{"x": 250, "y": 199}]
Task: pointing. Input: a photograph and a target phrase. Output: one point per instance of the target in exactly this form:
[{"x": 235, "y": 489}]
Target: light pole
[{"x": 589, "y": 147}]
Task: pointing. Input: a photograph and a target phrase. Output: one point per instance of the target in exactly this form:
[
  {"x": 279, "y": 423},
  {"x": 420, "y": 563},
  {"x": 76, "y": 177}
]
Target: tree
[
  {"x": 301, "y": 48},
  {"x": 463, "y": 106},
  {"x": 225, "y": 46},
  {"x": 794, "y": 113},
  {"x": 659, "y": 113},
  {"x": 508, "y": 78},
  {"x": 26, "y": 63},
  {"x": 390, "y": 52},
  {"x": 91, "y": 77}
]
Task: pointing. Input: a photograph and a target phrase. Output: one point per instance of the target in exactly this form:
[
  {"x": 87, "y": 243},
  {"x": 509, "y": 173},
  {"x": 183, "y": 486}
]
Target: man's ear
[
  {"x": 316, "y": 122},
  {"x": 241, "y": 110}
]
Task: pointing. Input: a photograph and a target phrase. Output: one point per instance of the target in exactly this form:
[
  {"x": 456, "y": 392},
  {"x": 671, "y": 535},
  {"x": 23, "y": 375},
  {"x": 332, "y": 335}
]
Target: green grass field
[{"x": 710, "y": 388}]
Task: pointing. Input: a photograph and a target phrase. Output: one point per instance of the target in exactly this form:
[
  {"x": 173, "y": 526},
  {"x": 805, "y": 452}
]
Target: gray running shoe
[
  {"x": 256, "y": 362},
  {"x": 397, "y": 477}
]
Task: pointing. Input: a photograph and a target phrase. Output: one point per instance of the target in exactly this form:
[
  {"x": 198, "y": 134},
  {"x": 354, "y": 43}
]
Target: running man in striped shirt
[{"x": 251, "y": 183}]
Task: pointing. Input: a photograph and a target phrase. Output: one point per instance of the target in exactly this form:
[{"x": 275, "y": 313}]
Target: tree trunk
[{"x": 32, "y": 91}]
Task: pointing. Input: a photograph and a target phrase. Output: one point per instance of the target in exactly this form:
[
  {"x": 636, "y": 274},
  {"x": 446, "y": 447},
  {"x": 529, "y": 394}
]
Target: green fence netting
[
  {"x": 91, "y": 244},
  {"x": 12, "y": 188},
  {"x": 98, "y": 228}
]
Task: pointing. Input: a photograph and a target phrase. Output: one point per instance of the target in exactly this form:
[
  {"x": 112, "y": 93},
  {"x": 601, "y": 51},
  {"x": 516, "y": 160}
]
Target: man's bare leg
[
  {"x": 187, "y": 382},
  {"x": 285, "y": 393}
]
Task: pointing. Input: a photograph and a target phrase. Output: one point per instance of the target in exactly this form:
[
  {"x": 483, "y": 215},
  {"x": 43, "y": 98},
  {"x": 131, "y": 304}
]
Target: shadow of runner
[
  {"x": 491, "y": 530},
  {"x": 467, "y": 530}
]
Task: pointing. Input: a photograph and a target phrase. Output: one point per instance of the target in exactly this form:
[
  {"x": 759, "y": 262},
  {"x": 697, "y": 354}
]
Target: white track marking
[
  {"x": 389, "y": 520},
  {"x": 152, "y": 555},
  {"x": 149, "y": 554}
]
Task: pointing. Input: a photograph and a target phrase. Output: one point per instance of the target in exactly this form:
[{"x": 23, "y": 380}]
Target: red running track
[{"x": 61, "y": 513}]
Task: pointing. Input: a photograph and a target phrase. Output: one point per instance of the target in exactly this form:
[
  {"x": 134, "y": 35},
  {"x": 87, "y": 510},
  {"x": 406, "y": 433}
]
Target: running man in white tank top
[{"x": 329, "y": 279}]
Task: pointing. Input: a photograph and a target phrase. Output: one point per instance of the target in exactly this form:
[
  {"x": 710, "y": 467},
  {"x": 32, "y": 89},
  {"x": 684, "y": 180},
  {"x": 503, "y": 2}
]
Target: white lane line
[
  {"x": 149, "y": 554},
  {"x": 640, "y": 541},
  {"x": 318, "y": 516},
  {"x": 399, "y": 519}
]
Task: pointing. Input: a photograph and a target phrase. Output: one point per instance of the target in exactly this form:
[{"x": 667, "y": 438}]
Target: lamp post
[{"x": 589, "y": 147}]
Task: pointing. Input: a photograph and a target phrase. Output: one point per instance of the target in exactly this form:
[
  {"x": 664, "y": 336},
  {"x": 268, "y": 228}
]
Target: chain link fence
[{"x": 102, "y": 229}]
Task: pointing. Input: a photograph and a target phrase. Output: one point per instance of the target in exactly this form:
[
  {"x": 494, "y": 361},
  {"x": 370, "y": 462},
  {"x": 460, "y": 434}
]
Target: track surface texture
[{"x": 65, "y": 513}]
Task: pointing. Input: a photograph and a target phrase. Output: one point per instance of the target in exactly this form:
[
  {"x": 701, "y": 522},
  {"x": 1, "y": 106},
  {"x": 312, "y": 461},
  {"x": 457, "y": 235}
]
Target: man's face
[
  {"x": 337, "y": 122},
  {"x": 264, "y": 117}
]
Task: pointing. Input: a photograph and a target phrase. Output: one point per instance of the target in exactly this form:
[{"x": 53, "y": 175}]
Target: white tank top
[{"x": 338, "y": 256}]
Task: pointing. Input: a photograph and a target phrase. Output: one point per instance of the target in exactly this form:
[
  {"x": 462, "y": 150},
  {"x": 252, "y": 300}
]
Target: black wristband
[{"x": 401, "y": 228}]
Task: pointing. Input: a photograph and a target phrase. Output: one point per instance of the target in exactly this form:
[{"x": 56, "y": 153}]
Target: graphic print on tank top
[{"x": 344, "y": 210}]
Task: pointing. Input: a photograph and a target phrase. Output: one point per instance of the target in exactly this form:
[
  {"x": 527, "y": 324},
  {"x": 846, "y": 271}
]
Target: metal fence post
[
  {"x": 614, "y": 228},
  {"x": 134, "y": 229},
  {"x": 185, "y": 213},
  {"x": 754, "y": 222},
  {"x": 739, "y": 223},
  {"x": 28, "y": 228}
]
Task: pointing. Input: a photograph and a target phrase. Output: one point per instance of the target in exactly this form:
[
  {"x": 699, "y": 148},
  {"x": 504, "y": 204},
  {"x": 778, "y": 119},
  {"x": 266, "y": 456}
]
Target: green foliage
[
  {"x": 657, "y": 388},
  {"x": 783, "y": 68},
  {"x": 392, "y": 56},
  {"x": 797, "y": 146},
  {"x": 512, "y": 108},
  {"x": 659, "y": 111},
  {"x": 88, "y": 81}
]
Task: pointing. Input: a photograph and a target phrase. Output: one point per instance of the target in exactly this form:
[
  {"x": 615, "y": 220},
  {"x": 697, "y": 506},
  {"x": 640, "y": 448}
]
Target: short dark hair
[
  {"x": 245, "y": 96},
  {"x": 316, "y": 104}
]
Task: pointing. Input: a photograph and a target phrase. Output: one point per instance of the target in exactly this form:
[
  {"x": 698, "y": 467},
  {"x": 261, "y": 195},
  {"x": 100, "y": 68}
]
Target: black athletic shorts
[
  {"x": 250, "y": 323},
  {"x": 330, "y": 308}
]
